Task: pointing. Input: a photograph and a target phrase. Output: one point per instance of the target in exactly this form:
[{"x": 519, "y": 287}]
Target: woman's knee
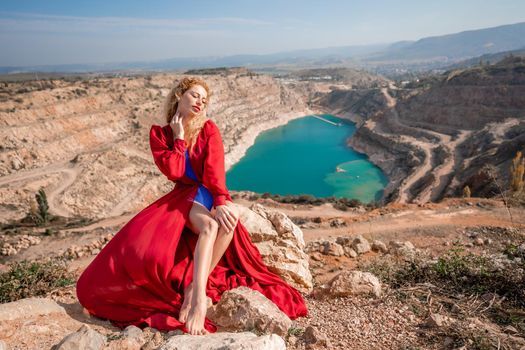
[
  {"x": 210, "y": 227},
  {"x": 201, "y": 221}
]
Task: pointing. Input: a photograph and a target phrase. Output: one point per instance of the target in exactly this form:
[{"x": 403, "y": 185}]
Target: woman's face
[{"x": 193, "y": 102}]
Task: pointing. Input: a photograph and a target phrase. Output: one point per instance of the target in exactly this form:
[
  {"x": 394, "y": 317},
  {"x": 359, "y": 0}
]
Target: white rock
[
  {"x": 288, "y": 261},
  {"x": 260, "y": 228},
  {"x": 225, "y": 341},
  {"x": 133, "y": 332},
  {"x": 332, "y": 248},
  {"x": 85, "y": 338},
  {"x": 405, "y": 249},
  {"x": 314, "y": 338},
  {"x": 243, "y": 308},
  {"x": 361, "y": 245},
  {"x": 438, "y": 320},
  {"x": 379, "y": 246},
  {"x": 283, "y": 224},
  {"x": 350, "y": 252},
  {"x": 17, "y": 163},
  {"x": 349, "y": 283},
  {"x": 29, "y": 307}
]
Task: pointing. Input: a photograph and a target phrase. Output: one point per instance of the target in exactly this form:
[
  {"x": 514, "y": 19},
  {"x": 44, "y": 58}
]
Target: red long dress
[{"x": 139, "y": 277}]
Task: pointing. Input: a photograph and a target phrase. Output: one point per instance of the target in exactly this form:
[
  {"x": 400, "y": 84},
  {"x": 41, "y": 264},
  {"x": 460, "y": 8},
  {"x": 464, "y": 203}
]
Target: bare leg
[
  {"x": 207, "y": 227},
  {"x": 221, "y": 244}
]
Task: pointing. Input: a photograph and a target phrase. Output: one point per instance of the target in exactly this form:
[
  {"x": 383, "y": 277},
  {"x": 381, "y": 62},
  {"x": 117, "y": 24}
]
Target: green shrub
[
  {"x": 460, "y": 272},
  {"x": 27, "y": 279}
]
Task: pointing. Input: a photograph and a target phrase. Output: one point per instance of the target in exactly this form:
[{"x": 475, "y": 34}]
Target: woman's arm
[
  {"x": 214, "y": 176},
  {"x": 171, "y": 162}
]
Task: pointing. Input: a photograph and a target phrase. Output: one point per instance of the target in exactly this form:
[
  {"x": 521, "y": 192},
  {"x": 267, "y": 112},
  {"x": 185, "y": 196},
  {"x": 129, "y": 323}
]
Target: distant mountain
[
  {"x": 455, "y": 47},
  {"x": 424, "y": 54},
  {"x": 490, "y": 58},
  {"x": 320, "y": 57}
]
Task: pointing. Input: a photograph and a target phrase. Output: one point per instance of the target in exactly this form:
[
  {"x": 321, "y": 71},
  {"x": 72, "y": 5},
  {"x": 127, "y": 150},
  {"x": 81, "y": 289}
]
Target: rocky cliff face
[
  {"x": 86, "y": 141},
  {"x": 451, "y": 127},
  {"x": 469, "y": 99},
  {"x": 487, "y": 158},
  {"x": 356, "y": 104}
]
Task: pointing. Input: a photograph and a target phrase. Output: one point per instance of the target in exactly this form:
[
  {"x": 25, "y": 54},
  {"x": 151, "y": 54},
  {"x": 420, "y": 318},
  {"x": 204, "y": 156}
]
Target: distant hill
[
  {"x": 424, "y": 54},
  {"x": 454, "y": 47},
  {"x": 317, "y": 57},
  {"x": 490, "y": 58}
]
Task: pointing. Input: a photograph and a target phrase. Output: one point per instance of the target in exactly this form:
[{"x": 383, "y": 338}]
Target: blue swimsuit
[{"x": 203, "y": 196}]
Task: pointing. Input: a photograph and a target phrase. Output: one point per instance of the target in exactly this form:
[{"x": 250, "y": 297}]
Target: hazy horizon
[{"x": 35, "y": 33}]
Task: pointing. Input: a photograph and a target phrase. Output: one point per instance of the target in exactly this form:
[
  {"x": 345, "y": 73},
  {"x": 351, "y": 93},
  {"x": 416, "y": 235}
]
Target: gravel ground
[{"x": 360, "y": 323}]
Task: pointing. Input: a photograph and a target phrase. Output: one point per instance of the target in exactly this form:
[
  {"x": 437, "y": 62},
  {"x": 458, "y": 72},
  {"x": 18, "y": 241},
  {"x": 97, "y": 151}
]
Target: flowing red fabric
[{"x": 139, "y": 277}]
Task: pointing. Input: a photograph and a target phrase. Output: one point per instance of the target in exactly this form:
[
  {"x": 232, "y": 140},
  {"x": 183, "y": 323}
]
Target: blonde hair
[{"x": 194, "y": 126}]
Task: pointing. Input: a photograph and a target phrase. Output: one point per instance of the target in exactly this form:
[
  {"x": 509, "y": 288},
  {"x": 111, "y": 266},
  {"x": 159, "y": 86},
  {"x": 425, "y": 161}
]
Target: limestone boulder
[
  {"x": 361, "y": 245},
  {"x": 281, "y": 244},
  {"x": 243, "y": 308},
  {"x": 29, "y": 307},
  {"x": 350, "y": 252},
  {"x": 260, "y": 228},
  {"x": 284, "y": 226},
  {"x": 332, "y": 248},
  {"x": 225, "y": 341},
  {"x": 349, "y": 283},
  {"x": 378, "y": 246},
  {"x": 316, "y": 339},
  {"x": 85, "y": 338},
  {"x": 405, "y": 249},
  {"x": 288, "y": 261}
]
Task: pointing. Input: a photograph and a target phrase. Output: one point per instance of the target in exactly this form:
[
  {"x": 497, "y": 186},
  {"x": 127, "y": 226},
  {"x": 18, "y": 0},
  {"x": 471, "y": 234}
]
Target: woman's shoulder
[
  {"x": 159, "y": 131},
  {"x": 210, "y": 127},
  {"x": 157, "y": 127}
]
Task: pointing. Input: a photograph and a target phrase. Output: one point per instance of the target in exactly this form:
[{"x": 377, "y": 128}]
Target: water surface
[{"x": 302, "y": 157}]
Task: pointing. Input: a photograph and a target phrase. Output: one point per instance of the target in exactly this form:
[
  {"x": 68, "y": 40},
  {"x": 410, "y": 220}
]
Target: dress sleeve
[
  {"x": 170, "y": 161},
  {"x": 214, "y": 176}
]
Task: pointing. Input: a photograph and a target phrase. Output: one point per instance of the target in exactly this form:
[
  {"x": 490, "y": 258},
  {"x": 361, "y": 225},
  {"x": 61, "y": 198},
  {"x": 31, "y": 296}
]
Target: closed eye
[{"x": 196, "y": 95}]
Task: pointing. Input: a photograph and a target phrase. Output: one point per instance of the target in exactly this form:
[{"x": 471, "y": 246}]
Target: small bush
[
  {"x": 295, "y": 331},
  {"x": 517, "y": 172},
  {"x": 461, "y": 272},
  {"x": 27, "y": 279},
  {"x": 466, "y": 192},
  {"x": 43, "y": 207}
]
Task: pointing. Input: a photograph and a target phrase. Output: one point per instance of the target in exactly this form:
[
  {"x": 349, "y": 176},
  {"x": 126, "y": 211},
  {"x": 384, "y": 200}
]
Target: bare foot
[
  {"x": 196, "y": 317},
  {"x": 185, "y": 308}
]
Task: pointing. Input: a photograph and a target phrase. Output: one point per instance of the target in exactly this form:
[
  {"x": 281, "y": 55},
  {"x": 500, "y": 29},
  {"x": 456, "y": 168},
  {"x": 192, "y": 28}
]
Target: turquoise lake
[{"x": 301, "y": 157}]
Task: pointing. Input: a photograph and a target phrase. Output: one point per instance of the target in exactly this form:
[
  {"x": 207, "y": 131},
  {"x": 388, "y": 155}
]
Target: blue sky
[{"x": 96, "y": 31}]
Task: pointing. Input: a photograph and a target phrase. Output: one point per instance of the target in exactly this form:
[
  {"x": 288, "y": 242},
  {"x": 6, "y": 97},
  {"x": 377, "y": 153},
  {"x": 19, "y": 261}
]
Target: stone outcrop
[
  {"x": 348, "y": 283},
  {"x": 343, "y": 245},
  {"x": 243, "y": 308},
  {"x": 315, "y": 339},
  {"x": 25, "y": 308},
  {"x": 361, "y": 245},
  {"x": 84, "y": 338},
  {"x": 468, "y": 118},
  {"x": 405, "y": 249},
  {"x": 397, "y": 159},
  {"x": 92, "y": 136},
  {"x": 225, "y": 341},
  {"x": 280, "y": 243}
]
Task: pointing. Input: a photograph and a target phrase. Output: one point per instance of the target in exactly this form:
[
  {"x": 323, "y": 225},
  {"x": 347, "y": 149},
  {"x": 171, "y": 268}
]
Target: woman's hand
[
  {"x": 227, "y": 216},
  {"x": 176, "y": 126}
]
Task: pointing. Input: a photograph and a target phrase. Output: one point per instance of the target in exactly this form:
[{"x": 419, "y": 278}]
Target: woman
[{"x": 189, "y": 245}]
